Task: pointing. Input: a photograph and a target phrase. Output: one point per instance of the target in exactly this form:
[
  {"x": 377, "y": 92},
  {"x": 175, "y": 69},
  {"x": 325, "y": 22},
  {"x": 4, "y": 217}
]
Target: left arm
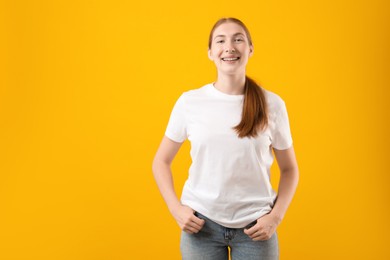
[{"x": 289, "y": 175}]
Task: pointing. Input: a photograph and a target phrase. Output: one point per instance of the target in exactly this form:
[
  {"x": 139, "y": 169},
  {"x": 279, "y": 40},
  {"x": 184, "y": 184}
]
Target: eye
[
  {"x": 220, "y": 41},
  {"x": 239, "y": 40}
]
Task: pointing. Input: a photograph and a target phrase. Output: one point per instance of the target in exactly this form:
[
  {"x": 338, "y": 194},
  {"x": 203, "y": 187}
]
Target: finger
[
  {"x": 261, "y": 238},
  {"x": 251, "y": 231},
  {"x": 191, "y": 230},
  {"x": 256, "y": 237},
  {"x": 258, "y": 234},
  {"x": 198, "y": 221},
  {"x": 254, "y": 234},
  {"x": 188, "y": 231},
  {"x": 196, "y": 225},
  {"x": 193, "y": 225},
  {"x": 193, "y": 221}
]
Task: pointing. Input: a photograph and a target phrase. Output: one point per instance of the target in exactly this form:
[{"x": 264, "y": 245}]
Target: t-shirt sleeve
[
  {"x": 282, "y": 138},
  {"x": 177, "y": 129}
]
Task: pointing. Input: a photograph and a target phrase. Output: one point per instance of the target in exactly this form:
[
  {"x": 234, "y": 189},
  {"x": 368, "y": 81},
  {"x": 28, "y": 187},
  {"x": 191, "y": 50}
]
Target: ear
[
  {"x": 251, "y": 51},
  {"x": 209, "y": 55}
]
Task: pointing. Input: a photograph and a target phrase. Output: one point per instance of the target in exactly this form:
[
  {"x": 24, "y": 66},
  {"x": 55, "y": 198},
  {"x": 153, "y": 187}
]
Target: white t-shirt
[{"x": 229, "y": 178}]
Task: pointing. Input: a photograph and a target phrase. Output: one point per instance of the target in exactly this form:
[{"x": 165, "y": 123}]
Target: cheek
[
  {"x": 247, "y": 53},
  {"x": 216, "y": 51},
  {"x": 215, "y": 56}
]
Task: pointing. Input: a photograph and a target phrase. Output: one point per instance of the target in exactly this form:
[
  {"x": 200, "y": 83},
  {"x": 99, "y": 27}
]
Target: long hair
[{"x": 255, "y": 110}]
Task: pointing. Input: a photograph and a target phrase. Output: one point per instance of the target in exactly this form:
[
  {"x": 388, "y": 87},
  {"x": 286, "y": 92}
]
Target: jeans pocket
[
  {"x": 250, "y": 224},
  {"x": 198, "y": 215}
]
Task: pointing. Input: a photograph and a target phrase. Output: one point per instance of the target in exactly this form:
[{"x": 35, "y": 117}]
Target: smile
[{"x": 230, "y": 59}]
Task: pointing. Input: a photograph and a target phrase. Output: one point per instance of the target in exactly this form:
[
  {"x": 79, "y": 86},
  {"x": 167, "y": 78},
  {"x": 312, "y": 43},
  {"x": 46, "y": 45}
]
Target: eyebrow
[{"x": 221, "y": 35}]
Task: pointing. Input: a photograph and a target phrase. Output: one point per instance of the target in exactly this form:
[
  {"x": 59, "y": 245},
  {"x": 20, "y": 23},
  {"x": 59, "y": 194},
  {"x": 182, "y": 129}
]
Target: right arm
[{"x": 183, "y": 215}]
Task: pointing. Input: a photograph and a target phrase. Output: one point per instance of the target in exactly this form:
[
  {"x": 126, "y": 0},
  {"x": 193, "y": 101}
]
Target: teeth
[{"x": 230, "y": 59}]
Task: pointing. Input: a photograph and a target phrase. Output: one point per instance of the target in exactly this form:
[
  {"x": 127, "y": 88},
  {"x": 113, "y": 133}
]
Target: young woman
[{"x": 233, "y": 126}]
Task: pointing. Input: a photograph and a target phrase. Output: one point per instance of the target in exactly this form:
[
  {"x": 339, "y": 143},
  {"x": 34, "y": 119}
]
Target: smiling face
[{"x": 230, "y": 48}]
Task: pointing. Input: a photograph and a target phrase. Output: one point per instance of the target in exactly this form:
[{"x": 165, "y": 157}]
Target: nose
[{"x": 229, "y": 48}]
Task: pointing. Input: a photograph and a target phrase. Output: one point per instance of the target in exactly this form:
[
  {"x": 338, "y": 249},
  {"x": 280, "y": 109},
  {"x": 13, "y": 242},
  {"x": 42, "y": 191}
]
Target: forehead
[{"x": 228, "y": 29}]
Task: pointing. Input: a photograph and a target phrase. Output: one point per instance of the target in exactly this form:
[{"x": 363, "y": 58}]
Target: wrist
[
  {"x": 174, "y": 207},
  {"x": 276, "y": 216}
]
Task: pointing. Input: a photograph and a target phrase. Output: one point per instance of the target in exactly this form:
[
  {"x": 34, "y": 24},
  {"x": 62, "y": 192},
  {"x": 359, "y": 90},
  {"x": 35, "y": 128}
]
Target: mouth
[{"x": 231, "y": 59}]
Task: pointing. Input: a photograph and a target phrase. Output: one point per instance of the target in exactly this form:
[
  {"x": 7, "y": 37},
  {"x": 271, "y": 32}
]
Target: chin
[{"x": 230, "y": 72}]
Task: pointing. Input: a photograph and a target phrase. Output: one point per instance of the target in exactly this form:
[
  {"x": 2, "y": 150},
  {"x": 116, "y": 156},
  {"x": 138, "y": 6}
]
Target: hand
[
  {"x": 186, "y": 219},
  {"x": 264, "y": 228}
]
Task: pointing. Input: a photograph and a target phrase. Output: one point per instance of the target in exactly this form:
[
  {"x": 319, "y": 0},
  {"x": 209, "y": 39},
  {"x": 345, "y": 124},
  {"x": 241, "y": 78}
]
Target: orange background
[{"x": 86, "y": 90}]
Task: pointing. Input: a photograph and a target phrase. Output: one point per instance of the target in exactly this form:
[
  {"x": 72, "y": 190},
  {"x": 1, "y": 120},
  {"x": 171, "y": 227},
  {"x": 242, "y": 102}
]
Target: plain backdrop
[{"x": 86, "y": 90}]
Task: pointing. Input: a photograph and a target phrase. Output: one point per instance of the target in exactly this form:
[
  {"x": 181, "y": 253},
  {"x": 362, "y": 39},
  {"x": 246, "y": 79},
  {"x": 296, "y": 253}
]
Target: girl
[{"x": 233, "y": 126}]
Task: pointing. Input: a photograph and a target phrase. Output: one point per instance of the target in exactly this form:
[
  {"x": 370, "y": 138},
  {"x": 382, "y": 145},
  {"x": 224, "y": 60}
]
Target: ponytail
[{"x": 254, "y": 111}]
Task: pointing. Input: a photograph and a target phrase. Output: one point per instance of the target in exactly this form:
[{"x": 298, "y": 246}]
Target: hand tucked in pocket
[{"x": 264, "y": 228}]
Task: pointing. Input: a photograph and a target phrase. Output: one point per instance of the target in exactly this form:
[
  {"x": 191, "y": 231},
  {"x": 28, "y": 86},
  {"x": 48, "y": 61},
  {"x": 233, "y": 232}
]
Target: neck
[{"x": 231, "y": 84}]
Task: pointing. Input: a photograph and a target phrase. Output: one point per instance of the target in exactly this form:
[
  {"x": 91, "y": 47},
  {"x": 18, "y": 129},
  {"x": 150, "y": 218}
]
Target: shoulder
[
  {"x": 195, "y": 93},
  {"x": 274, "y": 101}
]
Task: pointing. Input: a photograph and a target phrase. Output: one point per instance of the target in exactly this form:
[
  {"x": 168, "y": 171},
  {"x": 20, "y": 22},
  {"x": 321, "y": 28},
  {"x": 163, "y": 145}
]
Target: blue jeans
[{"x": 213, "y": 240}]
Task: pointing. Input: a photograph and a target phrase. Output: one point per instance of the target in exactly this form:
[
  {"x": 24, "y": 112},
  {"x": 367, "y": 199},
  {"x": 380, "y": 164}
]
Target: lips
[{"x": 230, "y": 58}]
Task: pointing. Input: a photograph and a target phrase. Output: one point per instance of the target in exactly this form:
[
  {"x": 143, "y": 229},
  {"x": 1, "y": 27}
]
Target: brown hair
[{"x": 255, "y": 110}]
